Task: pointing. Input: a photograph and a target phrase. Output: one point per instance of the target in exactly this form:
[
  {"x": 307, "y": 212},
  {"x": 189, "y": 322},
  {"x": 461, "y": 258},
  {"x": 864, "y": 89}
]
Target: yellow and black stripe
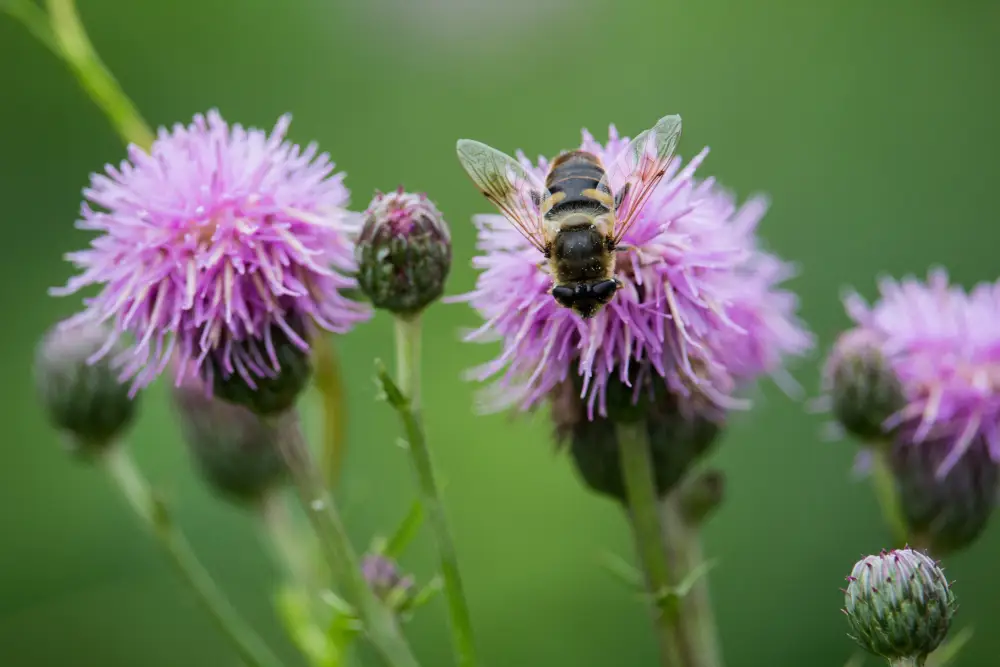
[{"x": 574, "y": 180}]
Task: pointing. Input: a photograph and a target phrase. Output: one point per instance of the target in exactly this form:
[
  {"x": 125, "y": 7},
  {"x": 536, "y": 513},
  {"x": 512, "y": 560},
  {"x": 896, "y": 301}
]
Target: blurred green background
[{"x": 872, "y": 126}]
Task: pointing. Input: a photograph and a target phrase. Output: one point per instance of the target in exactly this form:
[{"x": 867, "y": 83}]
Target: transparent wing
[
  {"x": 515, "y": 192},
  {"x": 640, "y": 168}
]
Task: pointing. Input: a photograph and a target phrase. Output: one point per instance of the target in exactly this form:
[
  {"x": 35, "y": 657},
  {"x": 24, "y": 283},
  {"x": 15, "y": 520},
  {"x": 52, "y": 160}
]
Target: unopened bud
[
  {"x": 386, "y": 581},
  {"x": 403, "y": 252},
  {"x": 864, "y": 389},
  {"x": 899, "y": 604},
  {"x": 946, "y": 509},
  {"x": 83, "y": 400},
  {"x": 235, "y": 450},
  {"x": 276, "y": 392}
]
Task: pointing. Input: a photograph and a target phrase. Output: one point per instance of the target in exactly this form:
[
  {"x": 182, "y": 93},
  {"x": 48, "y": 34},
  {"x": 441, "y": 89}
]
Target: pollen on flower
[
  {"x": 696, "y": 291},
  {"x": 211, "y": 242}
]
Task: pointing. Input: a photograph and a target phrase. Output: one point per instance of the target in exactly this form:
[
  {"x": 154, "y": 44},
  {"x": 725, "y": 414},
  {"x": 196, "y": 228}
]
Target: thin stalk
[
  {"x": 637, "y": 472},
  {"x": 35, "y": 20},
  {"x": 285, "y": 542},
  {"x": 696, "y": 621},
  {"x": 94, "y": 76},
  {"x": 378, "y": 620},
  {"x": 154, "y": 514},
  {"x": 884, "y": 483},
  {"x": 907, "y": 662},
  {"x": 330, "y": 385},
  {"x": 408, "y": 407}
]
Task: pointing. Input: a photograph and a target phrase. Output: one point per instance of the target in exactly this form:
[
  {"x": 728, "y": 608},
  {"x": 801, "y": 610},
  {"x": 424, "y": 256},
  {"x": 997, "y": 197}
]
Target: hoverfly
[{"x": 575, "y": 219}]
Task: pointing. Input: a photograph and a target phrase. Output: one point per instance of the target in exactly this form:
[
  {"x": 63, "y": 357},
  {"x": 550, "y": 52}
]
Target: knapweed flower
[
  {"x": 219, "y": 244},
  {"x": 403, "y": 252},
  {"x": 899, "y": 605},
  {"x": 698, "y": 293},
  {"x": 943, "y": 345}
]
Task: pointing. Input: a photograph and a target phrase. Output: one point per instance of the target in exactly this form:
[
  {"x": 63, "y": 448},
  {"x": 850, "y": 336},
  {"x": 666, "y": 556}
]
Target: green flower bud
[
  {"x": 270, "y": 395},
  {"x": 681, "y": 431},
  {"x": 899, "y": 605},
  {"x": 235, "y": 450},
  {"x": 403, "y": 252},
  {"x": 83, "y": 400},
  {"x": 863, "y": 387},
  {"x": 946, "y": 512}
]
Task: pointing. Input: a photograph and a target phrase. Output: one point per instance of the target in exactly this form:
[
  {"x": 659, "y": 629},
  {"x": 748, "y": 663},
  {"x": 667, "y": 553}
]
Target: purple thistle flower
[
  {"x": 212, "y": 243},
  {"x": 943, "y": 345},
  {"x": 698, "y": 294}
]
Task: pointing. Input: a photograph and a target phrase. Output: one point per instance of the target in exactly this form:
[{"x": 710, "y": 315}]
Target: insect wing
[
  {"x": 641, "y": 166},
  {"x": 514, "y": 191}
]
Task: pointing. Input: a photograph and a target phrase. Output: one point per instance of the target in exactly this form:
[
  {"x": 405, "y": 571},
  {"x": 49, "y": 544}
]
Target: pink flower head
[
  {"x": 943, "y": 345},
  {"x": 698, "y": 293},
  {"x": 213, "y": 242}
]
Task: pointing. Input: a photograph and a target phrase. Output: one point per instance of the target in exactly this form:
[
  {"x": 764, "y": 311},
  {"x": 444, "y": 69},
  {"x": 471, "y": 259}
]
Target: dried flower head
[
  {"x": 403, "y": 252},
  {"x": 697, "y": 290},
  {"x": 212, "y": 242},
  {"x": 943, "y": 345}
]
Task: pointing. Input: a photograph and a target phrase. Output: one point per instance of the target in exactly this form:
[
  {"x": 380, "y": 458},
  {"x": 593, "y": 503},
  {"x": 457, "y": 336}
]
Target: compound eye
[
  {"x": 563, "y": 295},
  {"x": 605, "y": 289}
]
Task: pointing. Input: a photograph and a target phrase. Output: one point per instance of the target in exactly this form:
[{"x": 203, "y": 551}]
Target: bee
[{"x": 574, "y": 218}]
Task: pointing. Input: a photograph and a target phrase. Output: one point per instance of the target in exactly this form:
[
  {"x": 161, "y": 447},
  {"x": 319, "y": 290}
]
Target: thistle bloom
[
  {"x": 943, "y": 345},
  {"x": 698, "y": 294},
  {"x": 213, "y": 244}
]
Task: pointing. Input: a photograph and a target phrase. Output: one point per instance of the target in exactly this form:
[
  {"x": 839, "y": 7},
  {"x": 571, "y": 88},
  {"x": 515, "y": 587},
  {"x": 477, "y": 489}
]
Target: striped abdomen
[{"x": 574, "y": 180}]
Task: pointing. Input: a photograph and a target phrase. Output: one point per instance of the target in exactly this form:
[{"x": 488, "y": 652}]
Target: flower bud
[
  {"x": 403, "y": 252},
  {"x": 898, "y": 604},
  {"x": 276, "y": 393},
  {"x": 388, "y": 584},
  {"x": 235, "y": 450},
  {"x": 864, "y": 389},
  {"x": 84, "y": 400},
  {"x": 945, "y": 511},
  {"x": 681, "y": 430}
]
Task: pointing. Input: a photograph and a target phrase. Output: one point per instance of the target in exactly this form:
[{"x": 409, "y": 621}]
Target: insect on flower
[{"x": 576, "y": 219}]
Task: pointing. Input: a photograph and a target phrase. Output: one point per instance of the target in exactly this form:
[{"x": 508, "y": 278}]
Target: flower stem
[
  {"x": 907, "y": 662},
  {"x": 328, "y": 381},
  {"x": 406, "y": 400},
  {"x": 696, "y": 621},
  {"x": 34, "y": 19},
  {"x": 378, "y": 620},
  {"x": 94, "y": 76},
  {"x": 153, "y": 512},
  {"x": 888, "y": 498},
  {"x": 284, "y": 540},
  {"x": 637, "y": 473}
]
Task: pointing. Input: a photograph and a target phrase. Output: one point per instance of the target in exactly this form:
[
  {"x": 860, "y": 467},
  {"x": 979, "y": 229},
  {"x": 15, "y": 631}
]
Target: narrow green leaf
[{"x": 406, "y": 531}]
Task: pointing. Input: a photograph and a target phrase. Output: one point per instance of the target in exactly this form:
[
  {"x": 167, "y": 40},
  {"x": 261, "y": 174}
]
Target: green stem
[
  {"x": 907, "y": 662},
  {"x": 637, "y": 473},
  {"x": 408, "y": 377},
  {"x": 74, "y": 46},
  {"x": 378, "y": 620},
  {"x": 35, "y": 20},
  {"x": 696, "y": 622},
  {"x": 153, "y": 512},
  {"x": 888, "y": 498},
  {"x": 284, "y": 541},
  {"x": 329, "y": 382}
]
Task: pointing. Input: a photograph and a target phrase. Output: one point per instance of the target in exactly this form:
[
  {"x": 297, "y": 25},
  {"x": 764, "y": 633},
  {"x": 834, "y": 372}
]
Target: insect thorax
[{"x": 581, "y": 254}]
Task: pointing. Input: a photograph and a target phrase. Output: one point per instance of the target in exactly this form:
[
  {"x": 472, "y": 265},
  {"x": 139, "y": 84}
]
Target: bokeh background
[{"x": 871, "y": 125}]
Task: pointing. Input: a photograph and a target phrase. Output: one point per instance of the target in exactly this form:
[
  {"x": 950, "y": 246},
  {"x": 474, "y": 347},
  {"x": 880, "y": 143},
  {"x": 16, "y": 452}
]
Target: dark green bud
[
  {"x": 235, "y": 450},
  {"x": 945, "y": 510},
  {"x": 899, "y": 605},
  {"x": 681, "y": 431},
  {"x": 403, "y": 253},
  {"x": 861, "y": 384},
  {"x": 84, "y": 400},
  {"x": 276, "y": 393}
]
